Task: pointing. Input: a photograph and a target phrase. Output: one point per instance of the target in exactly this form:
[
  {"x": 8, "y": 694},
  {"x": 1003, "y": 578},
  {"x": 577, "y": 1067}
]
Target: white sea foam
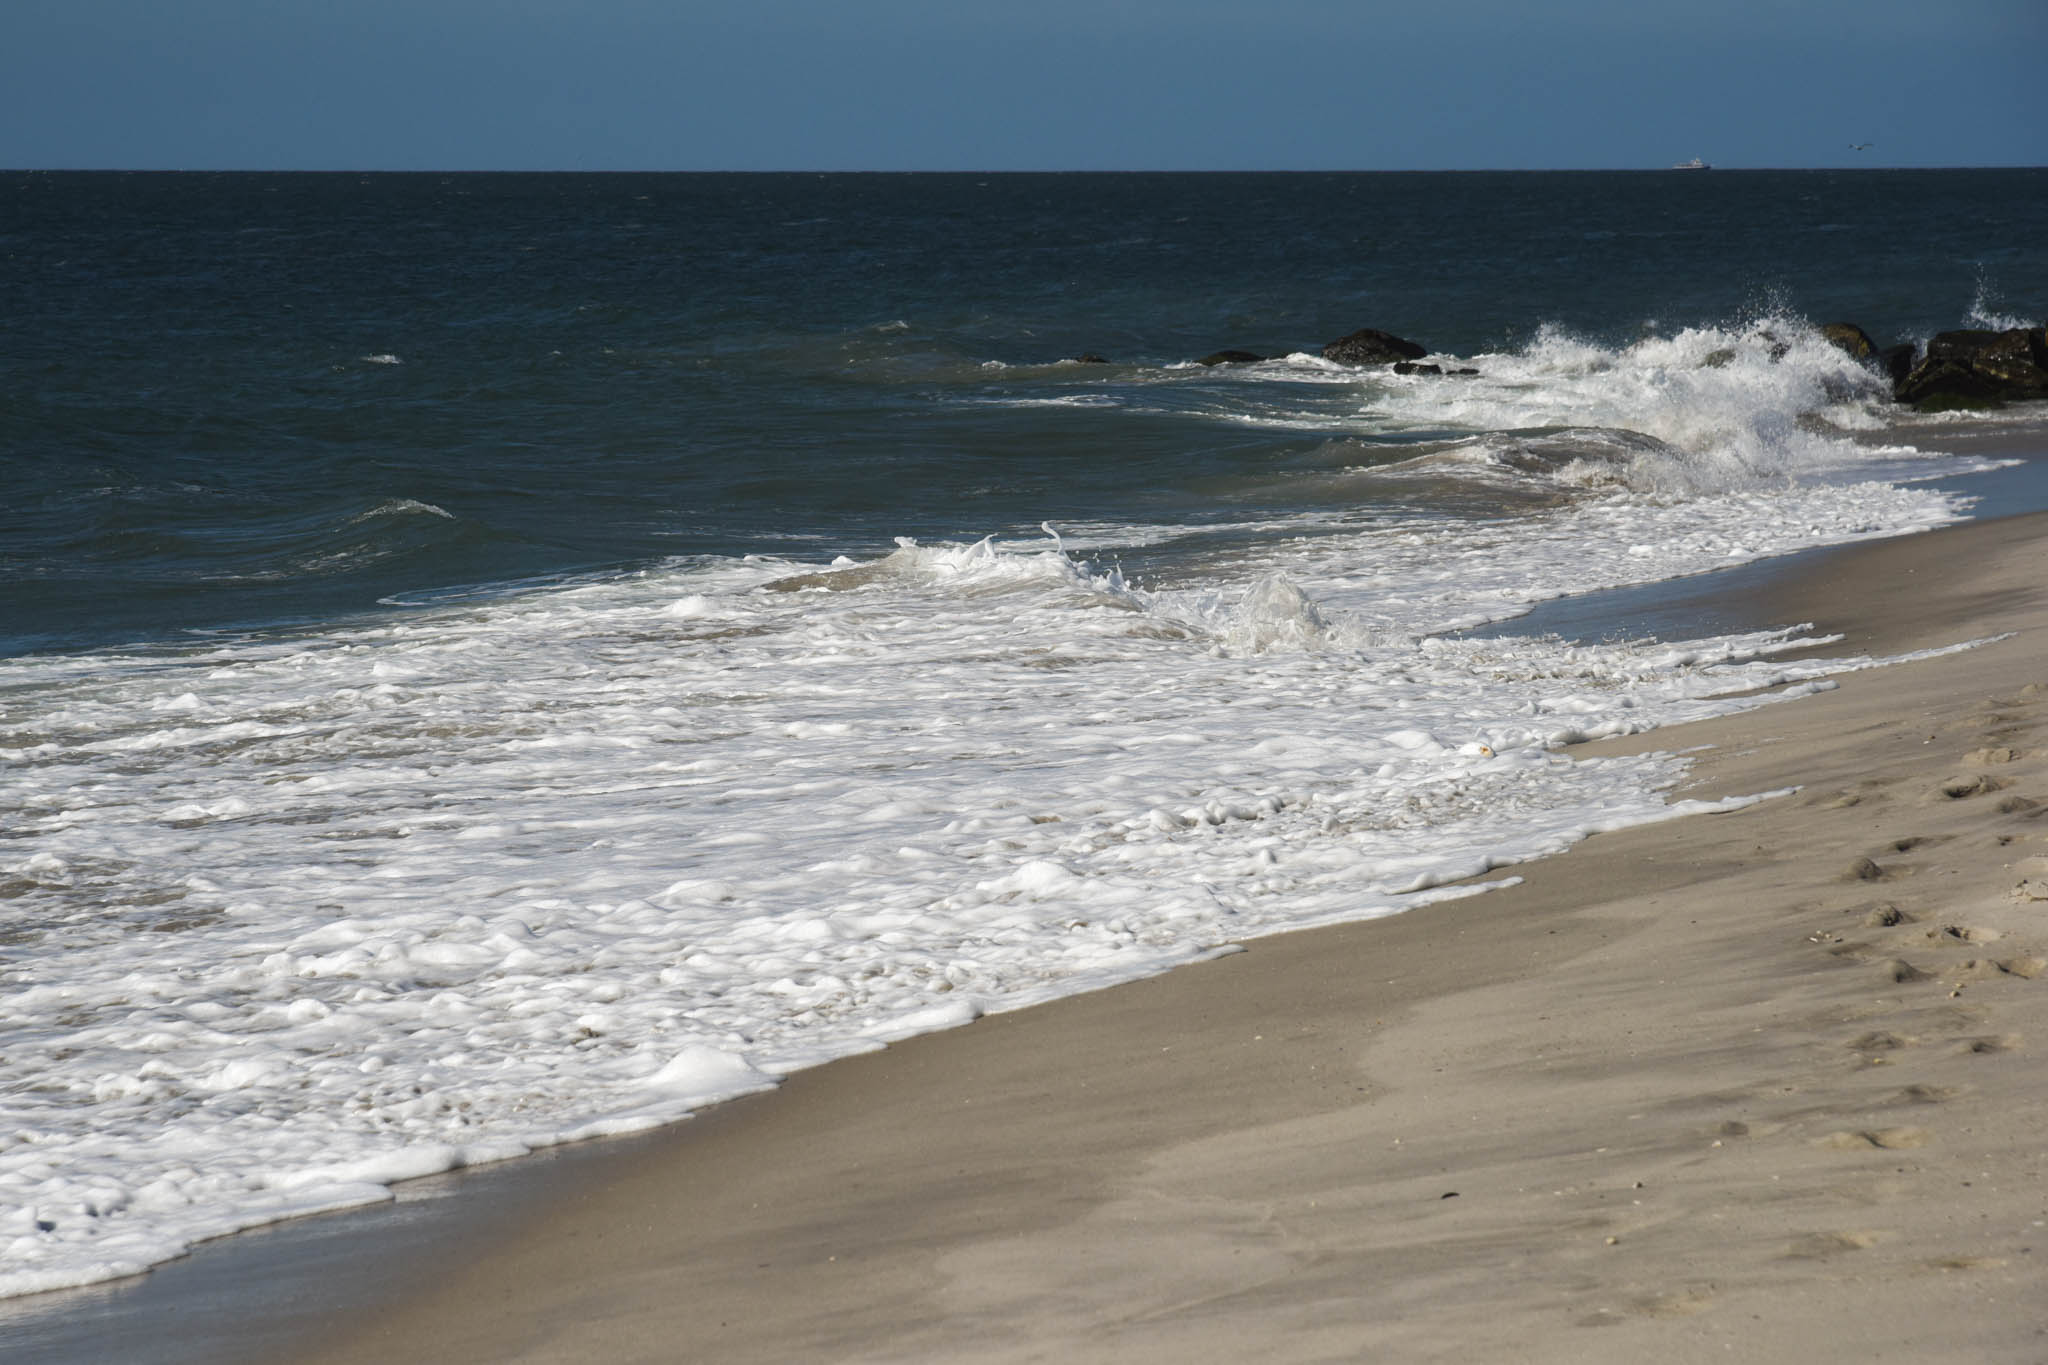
[
  {"x": 1071, "y": 400},
  {"x": 292, "y": 920},
  {"x": 401, "y": 507},
  {"x": 1985, "y": 311},
  {"x": 530, "y": 863},
  {"x": 1707, "y": 410},
  {"x": 1722, "y": 408}
]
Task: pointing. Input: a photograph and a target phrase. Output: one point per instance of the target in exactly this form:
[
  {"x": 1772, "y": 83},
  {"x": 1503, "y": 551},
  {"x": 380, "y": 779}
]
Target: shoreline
[
  {"x": 1454, "y": 949},
  {"x": 1735, "y": 599},
  {"x": 1683, "y": 1083}
]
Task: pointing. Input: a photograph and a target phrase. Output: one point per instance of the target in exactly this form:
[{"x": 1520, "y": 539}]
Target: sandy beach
[{"x": 1759, "y": 1085}]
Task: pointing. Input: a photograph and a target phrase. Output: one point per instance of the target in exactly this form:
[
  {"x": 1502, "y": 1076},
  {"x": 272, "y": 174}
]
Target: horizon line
[{"x": 948, "y": 170}]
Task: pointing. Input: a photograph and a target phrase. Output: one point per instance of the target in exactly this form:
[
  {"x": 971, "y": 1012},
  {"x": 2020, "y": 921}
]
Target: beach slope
[{"x": 1759, "y": 1085}]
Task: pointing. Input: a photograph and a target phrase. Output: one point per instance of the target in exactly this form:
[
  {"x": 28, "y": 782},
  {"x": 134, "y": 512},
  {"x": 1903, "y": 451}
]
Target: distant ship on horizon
[{"x": 1693, "y": 165}]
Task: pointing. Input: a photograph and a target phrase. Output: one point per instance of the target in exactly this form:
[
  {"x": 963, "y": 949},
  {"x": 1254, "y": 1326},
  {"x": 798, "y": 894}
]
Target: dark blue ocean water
[{"x": 238, "y": 400}]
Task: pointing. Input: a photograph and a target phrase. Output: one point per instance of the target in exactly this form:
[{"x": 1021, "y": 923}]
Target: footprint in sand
[
  {"x": 1682, "y": 1303},
  {"x": 2018, "y": 805},
  {"x": 1948, "y": 1263},
  {"x": 1887, "y": 1139},
  {"x": 1989, "y": 1043},
  {"x": 1994, "y": 729},
  {"x": 1817, "y": 1245},
  {"x": 1992, "y": 969},
  {"x": 1961, "y": 788},
  {"x": 1879, "y": 1041},
  {"x": 1985, "y": 758},
  {"x": 1923, "y": 1094},
  {"x": 1845, "y": 797}
]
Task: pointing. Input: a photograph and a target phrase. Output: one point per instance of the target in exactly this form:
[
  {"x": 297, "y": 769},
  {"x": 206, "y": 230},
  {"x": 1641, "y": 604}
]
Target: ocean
[{"x": 492, "y": 660}]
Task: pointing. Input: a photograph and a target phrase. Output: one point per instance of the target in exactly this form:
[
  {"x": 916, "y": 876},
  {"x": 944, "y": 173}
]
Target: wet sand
[{"x": 1749, "y": 1086}]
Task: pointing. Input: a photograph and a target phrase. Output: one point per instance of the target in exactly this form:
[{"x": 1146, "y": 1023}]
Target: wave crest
[{"x": 1707, "y": 410}]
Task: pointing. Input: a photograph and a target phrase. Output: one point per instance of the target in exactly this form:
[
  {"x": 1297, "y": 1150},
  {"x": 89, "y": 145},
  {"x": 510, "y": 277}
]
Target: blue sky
[{"x": 1019, "y": 85}]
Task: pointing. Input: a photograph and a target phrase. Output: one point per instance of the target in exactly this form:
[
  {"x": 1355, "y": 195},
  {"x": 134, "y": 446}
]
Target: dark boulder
[
  {"x": 1090, "y": 358},
  {"x": 1230, "y": 358},
  {"x": 1370, "y": 346},
  {"x": 2017, "y": 359},
  {"x": 1851, "y": 338},
  {"x": 1896, "y": 362},
  {"x": 1943, "y": 385},
  {"x": 1978, "y": 369},
  {"x": 1410, "y": 367}
]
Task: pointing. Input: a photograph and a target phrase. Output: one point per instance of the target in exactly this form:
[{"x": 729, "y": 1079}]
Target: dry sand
[{"x": 1757, "y": 1086}]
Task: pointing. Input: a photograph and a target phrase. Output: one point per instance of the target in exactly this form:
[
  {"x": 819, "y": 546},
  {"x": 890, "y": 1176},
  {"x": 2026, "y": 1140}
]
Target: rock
[
  {"x": 1090, "y": 358},
  {"x": 1718, "y": 359},
  {"x": 1370, "y": 346},
  {"x": 1978, "y": 369},
  {"x": 2015, "y": 356},
  {"x": 1942, "y": 386},
  {"x": 1465, "y": 371},
  {"x": 1851, "y": 338},
  {"x": 1893, "y": 362},
  {"x": 1230, "y": 358},
  {"x": 1896, "y": 362},
  {"x": 1410, "y": 367}
]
